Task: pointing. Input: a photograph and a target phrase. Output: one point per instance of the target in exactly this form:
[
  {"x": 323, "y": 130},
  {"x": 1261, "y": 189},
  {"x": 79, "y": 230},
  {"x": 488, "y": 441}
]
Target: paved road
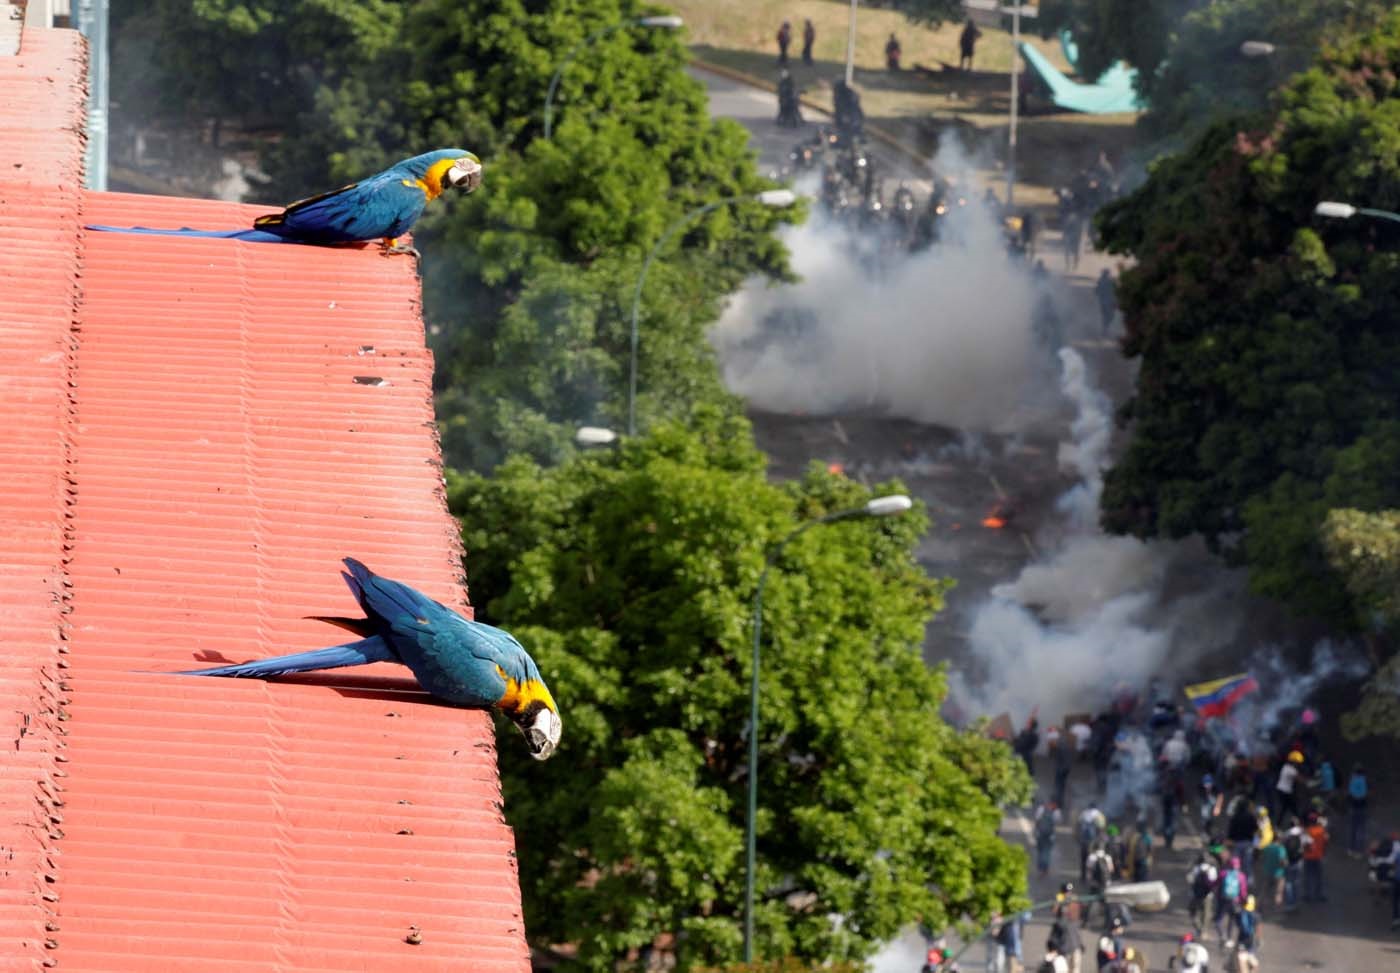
[{"x": 1348, "y": 933}]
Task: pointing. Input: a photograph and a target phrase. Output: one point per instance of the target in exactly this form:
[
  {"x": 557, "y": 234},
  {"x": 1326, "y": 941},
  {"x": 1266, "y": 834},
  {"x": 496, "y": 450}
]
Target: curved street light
[
  {"x": 1255, "y": 49},
  {"x": 664, "y": 22},
  {"x": 594, "y": 436},
  {"x": 878, "y": 507},
  {"x": 772, "y": 198},
  {"x": 1345, "y": 211}
]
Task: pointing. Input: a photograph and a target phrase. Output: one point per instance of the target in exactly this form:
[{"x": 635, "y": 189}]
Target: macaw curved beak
[
  {"x": 541, "y": 727},
  {"x": 465, "y": 174}
]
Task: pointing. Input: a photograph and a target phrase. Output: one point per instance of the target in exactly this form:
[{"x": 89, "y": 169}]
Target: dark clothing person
[
  {"x": 1107, "y": 294},
  {"x": 809, "y": 37},
  {"x": 1026, "y": 742},
  {"x": 789, "y": 112},
  {"x": 967, "y": 43},
  {"x": 892, "y": 53},
  {"x": 1358, "y": 790},
  {"x": 784, "y": 39}
]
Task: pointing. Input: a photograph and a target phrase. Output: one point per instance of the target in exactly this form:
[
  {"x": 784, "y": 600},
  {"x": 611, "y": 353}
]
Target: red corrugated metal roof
[
  {"x": 41, "y": 121},
  {"x": 201, "y": 463}
]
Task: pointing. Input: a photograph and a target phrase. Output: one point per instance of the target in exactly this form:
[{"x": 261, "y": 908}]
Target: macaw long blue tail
[
  {"x": 250, "y": 236},
  {"x": 363, "y": 652}
]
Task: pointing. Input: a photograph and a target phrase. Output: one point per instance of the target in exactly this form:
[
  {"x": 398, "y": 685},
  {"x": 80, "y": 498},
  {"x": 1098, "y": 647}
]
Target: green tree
[
  {"x": 631, "y": 576},
  {"x": 1265, "y": 396},
  {"x": 1205, "y": 74},
  {"x": 1107, "y": 31},
  {"x": 1364, "y": 548},
  {"x": 254, "y": 62},
  {"x": 930, "y": 13},
  {"x": 527, "y": 283}
]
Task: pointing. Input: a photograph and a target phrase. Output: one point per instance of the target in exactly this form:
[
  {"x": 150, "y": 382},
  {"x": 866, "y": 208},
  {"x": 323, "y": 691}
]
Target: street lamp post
[
  {"x": 665, "y": 22},
  {"x": 1345, "y": 211},
  {"x": 851, "y": 45},
  {"x": 774, "y": 198},
  {"x": 878, "y": 507}
]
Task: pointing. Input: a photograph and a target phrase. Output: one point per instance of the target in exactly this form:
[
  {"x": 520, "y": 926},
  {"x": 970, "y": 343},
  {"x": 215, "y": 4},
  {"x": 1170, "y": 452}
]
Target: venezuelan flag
[{"x": 1218, "y": 697}]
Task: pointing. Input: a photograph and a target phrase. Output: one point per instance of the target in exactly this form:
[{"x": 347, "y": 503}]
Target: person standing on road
[
  {"x": 1358, "y": 790},
  {"x": 1064, "y": 935},
  {"x": 1046, "y": 817},
  {"x": 967, "y": 45},
  {"x": 1293, "y": 841},
  {"x": 1100, "y": 869},
  {"x": 1091, "y": 825},
  {"x": 1107, "y": 294},
  {"x": 784, "y": 39},
  {"x": 1273, "y": 868},
  {"x": 1395, "y": 884},
  {"x": 892, "y": 53},
  {"x": 1240, "y": 831},
  {"x": 1201, "y": 879},
  {"x": 809, "y": 37},
  {"x": 1314, "y": 850},
  {"x": 1286, "y": 790},
  {"x": 1062, "y": 754},
  {"x": 1230, "y": 894}
]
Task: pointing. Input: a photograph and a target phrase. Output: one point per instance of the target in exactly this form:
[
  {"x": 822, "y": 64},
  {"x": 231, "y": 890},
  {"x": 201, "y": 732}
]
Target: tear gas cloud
[
  {"x": 1092, "y": 612},
  {"x": 941, "y": 336}
]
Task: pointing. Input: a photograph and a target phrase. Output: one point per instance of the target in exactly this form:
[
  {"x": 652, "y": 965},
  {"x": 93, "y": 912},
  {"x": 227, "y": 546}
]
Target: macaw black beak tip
[{"x": 542, "y": 730}]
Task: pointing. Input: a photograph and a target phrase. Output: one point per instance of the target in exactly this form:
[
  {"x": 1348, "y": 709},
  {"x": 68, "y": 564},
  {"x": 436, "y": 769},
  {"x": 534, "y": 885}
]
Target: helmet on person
[
  {"x": 1295, "y": 757},
  {"x": 1067, "y": 888},
  {"x": 1187, "y": 937}
]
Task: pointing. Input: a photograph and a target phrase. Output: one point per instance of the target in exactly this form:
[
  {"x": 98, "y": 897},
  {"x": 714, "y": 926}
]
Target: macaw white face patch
[
  {"x": 542, "y": 733},
  {"x": 465, "y": 174}
]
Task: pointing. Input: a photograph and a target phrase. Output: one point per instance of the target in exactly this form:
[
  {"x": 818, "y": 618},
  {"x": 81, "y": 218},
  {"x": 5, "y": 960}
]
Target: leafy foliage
[
  {"x": 930, "y": 13},
  {"x": 1267, "y": 390},
  {"x": 631, "y": 576},
  {"x": 528, "y": 283},
  {"x": 1188, "y": 52}
]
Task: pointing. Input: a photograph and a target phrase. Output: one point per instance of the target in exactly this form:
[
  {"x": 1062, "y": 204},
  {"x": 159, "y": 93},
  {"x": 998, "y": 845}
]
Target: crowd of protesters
[{"x": 1265, "y": 811}]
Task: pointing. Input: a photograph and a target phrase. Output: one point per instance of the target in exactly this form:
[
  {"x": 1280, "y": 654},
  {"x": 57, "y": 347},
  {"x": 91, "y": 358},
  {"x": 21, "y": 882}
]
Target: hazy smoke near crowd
[
  {"x": 941, "y": 336},
  {"x": 1092, "y": 613}
]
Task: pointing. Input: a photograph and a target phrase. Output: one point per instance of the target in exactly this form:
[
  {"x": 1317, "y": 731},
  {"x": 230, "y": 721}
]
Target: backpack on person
[
  {"x": 1045, "y": 824},
  {"x": 1098, "y": 870},
  {"x": 1088, "y": 830},
  {"x": 1230, "y": 885},
  {"x": 1202, "y": 880},
  {"x": 1356, "y": 787},
  {"x": 1293, "y": 844}
]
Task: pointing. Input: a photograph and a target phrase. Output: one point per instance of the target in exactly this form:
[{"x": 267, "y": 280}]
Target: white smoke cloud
[
  {"x": 942, "y": 336},
  {"x": 1092, "y": 612}
]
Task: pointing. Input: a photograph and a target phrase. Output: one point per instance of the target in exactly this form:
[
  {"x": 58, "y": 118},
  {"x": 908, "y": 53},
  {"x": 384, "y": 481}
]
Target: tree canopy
[
  {"x": 1191, "y": 68},
  {"x": 1267, "y": 394},
  {"x": 528, "y": 283},
  {"x": 631, "y": 576}
]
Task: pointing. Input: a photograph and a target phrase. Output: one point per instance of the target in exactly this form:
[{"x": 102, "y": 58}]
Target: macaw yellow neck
[
  {"x": 431, "y": 183},
  {"x": 519, "y": 695}
]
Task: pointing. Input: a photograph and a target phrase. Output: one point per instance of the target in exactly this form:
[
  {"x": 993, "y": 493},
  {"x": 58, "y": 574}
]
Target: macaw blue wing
[{"x": 383, "y": 206}]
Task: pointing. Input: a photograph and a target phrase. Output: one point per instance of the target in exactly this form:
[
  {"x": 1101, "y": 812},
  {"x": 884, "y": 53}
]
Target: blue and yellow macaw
[
  {"x": 462, "y": 662},
  {"x": 382, "y": 207}
]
